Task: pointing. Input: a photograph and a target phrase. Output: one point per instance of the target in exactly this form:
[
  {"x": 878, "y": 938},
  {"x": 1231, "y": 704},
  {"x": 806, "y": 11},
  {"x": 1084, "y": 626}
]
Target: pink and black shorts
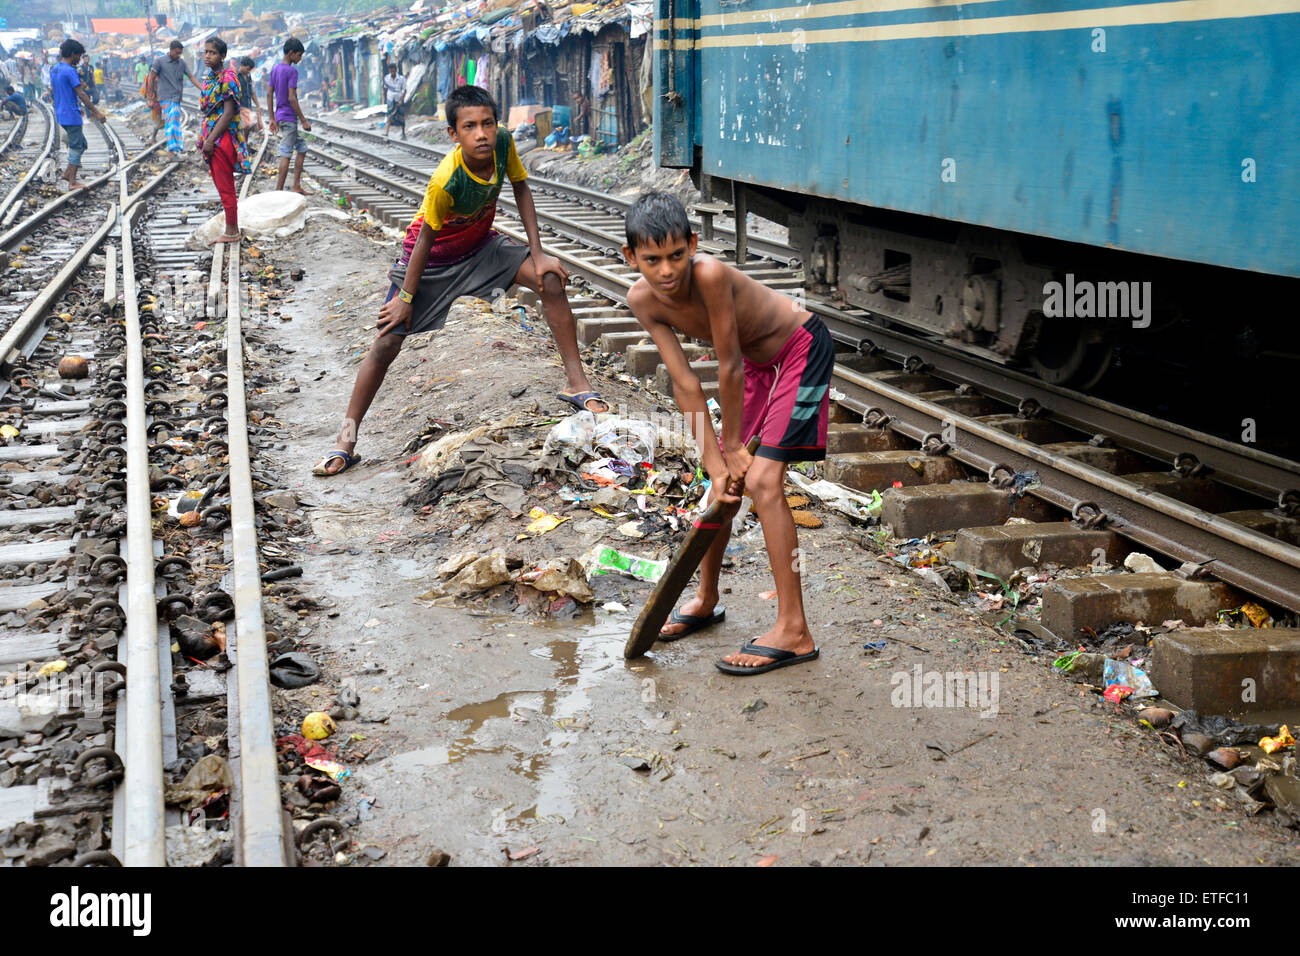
[{"x": 787, "y": 400}]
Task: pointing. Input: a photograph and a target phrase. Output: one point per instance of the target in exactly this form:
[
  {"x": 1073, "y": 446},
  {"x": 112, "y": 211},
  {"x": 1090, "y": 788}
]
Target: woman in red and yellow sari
[{"x": 220, "y": 137}]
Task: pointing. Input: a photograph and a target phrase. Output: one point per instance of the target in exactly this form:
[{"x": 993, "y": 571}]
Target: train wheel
[{"x": 1069, "y": 355}]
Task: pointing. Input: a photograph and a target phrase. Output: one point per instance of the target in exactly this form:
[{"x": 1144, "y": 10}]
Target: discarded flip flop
[
  {"x": 579, "y": 400},
  {"x": 321, "y": 468},
  {"x": 693, "y": 622},
  {"x": 779, "y": 658}
]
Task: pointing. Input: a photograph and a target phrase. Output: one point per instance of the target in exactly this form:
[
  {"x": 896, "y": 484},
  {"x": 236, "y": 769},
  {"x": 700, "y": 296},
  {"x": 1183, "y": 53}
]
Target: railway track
[
  {"x": 1213, "y": 507},
  {"x": 153, "y": 631},
  {"x": 411, "y": 162}
]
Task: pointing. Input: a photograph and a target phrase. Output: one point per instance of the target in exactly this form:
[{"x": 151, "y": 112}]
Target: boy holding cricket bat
[{"x": 774, "y": 370}]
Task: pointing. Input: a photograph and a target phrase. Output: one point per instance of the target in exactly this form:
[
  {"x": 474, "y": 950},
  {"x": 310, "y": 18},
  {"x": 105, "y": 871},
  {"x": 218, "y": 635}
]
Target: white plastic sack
[
  {"x": 627, "y": 439},
  {"x": 572, "y": 436},
  {"x": 270, "y": 215}
]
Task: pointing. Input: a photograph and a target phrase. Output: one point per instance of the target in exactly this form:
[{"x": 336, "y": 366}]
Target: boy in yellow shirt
[{"x": 451, "y": 250}]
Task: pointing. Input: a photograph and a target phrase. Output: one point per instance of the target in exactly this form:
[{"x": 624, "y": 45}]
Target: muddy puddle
[{"x": 524, "y": 732}]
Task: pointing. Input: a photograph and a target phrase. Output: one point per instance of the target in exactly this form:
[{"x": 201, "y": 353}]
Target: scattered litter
[
  {"x": 853, "y": 505},
  {"x": 563, "y": 576},
  {"x": 603, "y": 560},
  {"x": 294, "y": 669},
  {"x": 1126, "y": 675},
  {"x": 1275, "y": 743},
  {"x": 543, "y": 522}
]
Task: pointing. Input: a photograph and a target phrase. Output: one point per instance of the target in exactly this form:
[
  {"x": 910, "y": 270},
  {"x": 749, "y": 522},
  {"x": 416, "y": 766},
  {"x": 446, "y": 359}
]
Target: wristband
[{"x": 405, "y": 296}]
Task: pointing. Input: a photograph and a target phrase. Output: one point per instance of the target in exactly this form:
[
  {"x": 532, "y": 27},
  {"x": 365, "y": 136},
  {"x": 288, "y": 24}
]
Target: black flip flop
[
  {"x": 693, "y": 622},
  {"x": 779, "y": 658}
]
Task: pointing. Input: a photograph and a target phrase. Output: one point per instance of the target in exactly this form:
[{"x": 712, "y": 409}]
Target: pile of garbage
[{"x": 1255, "y": 763}]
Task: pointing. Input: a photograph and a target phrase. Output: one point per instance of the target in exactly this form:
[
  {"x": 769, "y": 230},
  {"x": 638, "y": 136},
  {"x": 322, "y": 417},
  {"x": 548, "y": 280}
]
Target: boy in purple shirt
[{"x": 286, "y": 114}]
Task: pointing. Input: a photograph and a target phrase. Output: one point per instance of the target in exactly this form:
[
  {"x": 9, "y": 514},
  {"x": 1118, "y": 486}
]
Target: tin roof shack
[{"x": 585, "y": 58}]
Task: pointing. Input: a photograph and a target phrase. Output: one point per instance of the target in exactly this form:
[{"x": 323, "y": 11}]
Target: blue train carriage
[{"x": 943, "y": 164}]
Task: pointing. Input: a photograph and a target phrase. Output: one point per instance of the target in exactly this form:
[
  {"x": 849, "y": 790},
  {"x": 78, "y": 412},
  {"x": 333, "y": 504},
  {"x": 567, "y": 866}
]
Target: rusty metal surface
[
  {"x": 1256, "y": 563},
  {"x": 1236, "y": 465}
]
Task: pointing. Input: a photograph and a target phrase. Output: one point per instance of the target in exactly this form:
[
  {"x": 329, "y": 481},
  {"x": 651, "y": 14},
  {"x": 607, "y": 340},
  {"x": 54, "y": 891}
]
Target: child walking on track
[
  {"x": 221, "y": 138},
  {"x": 286, "y": 114},
  {"x": 774, "y": 370},
  {"x": 69, "y": 97},
  {"x": 451, "y": 250}
]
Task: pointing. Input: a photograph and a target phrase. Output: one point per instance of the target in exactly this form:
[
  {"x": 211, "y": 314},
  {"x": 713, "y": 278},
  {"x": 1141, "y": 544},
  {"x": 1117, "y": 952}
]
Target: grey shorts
[
  {"x": 291, "y": 138},
  {"x": 486, "y": 274}
]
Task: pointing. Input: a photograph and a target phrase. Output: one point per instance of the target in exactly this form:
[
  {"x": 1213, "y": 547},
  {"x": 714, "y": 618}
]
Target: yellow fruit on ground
[{"x": 318, "y": 726}]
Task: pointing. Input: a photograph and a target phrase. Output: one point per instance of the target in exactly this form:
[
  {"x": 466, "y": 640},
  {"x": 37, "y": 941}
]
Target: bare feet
[
  {"x": 303, "y": 191},
  {"x": 695, "y": 607},
  {"x": 227, "y": 237},
  {"x": 73, "y": 187},
  {"x": 797, "y": 641}
]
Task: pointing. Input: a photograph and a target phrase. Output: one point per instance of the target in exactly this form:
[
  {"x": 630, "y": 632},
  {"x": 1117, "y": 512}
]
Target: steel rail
[
  {"x": 29, "y": 322},
  {"x": 144, "y": 843},
  {"x": 18, "y": 230},
  {"x": 7, "y": 208},
  {"x": 1233, "y": 464},
  {"x": 261, "y": 815},
  {"x": 16, "y": 132},
  {"x": 560, "y": 225},
  {"x": 765, "y": 248},
  {"x": 1236, "y": 465},
  {"x": 1262, "y": 565}
]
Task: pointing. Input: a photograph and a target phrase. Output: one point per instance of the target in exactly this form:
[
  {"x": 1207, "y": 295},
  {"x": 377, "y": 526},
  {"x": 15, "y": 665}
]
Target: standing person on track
[
  {"x": 395, "y": 97},
  {"x": 30, "y": 89},
  {"x": 87, "y": 74},
  {"x": 250, "y": 108},
  {"x": 167, "y": 84},
  {"x": 66, "y": 89},
  {"x": 221, "y": 138},
  {"x": 286, "y": 114}
]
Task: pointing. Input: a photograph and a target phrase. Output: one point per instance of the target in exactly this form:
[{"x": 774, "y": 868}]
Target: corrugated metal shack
[{"x": 586, "y": 57}]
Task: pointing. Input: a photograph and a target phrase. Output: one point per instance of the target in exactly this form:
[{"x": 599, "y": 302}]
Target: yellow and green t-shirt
[{"x": 459, "y": 206}]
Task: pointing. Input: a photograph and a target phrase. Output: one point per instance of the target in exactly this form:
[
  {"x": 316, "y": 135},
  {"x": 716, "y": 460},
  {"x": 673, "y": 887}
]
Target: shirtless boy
[{"x": 774, "y": 370}]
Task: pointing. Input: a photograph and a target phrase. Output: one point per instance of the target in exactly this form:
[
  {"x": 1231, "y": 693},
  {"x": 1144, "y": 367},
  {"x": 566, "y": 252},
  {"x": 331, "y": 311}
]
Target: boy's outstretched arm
[
  {"x": 528, "y": 214},
  {"x": 396, "y": 312},
  {"x": 715, "y": 289},
  {"x": 689, "y": 395}
]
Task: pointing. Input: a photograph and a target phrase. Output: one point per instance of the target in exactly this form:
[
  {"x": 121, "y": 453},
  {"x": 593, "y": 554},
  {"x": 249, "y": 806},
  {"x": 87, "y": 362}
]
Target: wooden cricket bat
[{"x": 676, "y": 576}]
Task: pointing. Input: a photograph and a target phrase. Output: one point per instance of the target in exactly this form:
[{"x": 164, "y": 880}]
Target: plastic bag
[
  {"x": 851, "y": 504},
  {"x": 627, "y": 439},
  {"x": 572, "y": 437},
  {"x": 1126, "y": 675}
]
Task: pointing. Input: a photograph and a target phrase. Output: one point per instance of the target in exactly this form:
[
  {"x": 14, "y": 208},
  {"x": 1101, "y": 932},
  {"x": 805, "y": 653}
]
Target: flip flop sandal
[
  {"x": 693, "y": 622},
  {"x": 348, "y": 462},
  {"x": 780, "y": 658},
  {"x": 580, "y": 400}
]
